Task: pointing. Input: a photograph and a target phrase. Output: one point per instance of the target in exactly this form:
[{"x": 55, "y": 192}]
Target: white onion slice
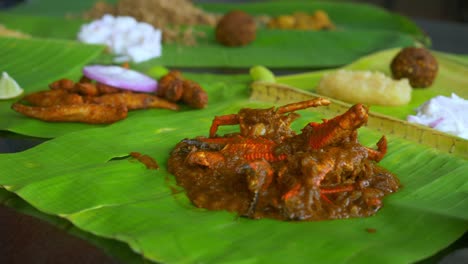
[{"x": 120, "y": 77}]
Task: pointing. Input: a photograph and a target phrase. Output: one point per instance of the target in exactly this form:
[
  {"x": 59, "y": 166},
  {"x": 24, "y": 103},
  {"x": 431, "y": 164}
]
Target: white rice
[
  {"x": 129, "y": 39},
  {"x": 446, "y": 114},
  {"x": 373, "y": 88}
]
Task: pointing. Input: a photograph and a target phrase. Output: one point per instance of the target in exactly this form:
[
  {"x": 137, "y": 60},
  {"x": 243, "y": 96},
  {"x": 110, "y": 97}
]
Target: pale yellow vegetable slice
[{"x": 9, "y": 88}]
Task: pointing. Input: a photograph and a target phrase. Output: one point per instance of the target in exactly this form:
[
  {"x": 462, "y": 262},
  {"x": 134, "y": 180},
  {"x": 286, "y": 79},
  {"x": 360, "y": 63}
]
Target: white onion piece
[
  {"x": 120, "y": 77},
  {"x": 446, "y": 114}
]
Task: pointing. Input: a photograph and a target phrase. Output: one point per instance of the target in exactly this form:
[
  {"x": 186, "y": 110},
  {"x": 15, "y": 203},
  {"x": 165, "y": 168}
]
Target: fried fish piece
[
  {"x": 84, "y": 86},
  {"x": 87, "y": 89},
  {"x": 107, "y": 89},
  {"x": 62, "y": 84},
  {"x": 84, "y": 113},
  {"x": 134, "y": 101},
  {"x": 53, "y": 97}
]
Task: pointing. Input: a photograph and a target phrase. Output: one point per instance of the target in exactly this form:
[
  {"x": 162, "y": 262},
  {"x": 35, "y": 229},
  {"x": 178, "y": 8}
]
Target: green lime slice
[{"x": 9, "y": 88}]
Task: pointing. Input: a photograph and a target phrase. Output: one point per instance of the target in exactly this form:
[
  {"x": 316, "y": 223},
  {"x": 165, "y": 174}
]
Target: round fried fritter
[
  {"x": 236, "y": 28},
  {"x": 416, "y": 64}
]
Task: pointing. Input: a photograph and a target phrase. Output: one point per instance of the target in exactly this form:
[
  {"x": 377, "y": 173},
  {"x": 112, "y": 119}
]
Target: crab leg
[
  {"x": 302, "y": 105},
  {"x": 231, "y": 119},
  {"x": 377, "y": 155},
  {"x": 339, "y": 128}
]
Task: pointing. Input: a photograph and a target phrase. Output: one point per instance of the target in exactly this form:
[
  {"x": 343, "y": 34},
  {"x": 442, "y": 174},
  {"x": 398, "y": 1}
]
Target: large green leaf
[
  {"x": 366, "y": 29},
  {"x": 102, "y": 192},
  {"x": 85, "y": 177}
]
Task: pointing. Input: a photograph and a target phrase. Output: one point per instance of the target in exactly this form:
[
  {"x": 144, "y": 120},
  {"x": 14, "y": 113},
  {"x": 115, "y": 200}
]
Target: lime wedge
[{"x": 9, "y": 88}]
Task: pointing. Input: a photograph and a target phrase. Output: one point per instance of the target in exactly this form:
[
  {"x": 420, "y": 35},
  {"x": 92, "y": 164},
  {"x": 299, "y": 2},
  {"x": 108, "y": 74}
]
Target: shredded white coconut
[
  {"x": 129, "y": 39},
  {"x": 446, "y": 114}
]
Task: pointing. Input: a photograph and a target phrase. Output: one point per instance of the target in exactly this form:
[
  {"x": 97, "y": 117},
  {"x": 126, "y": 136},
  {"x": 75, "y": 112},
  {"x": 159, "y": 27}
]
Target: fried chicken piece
[
  {"x": 84, "y": 113},
  {"x": 170, "y": 86},
  {"x": 174, "y": 88},
  {"x": 134, "y": 101},
  {"x": 194, "y": 95},
  {"x": 53, "y": 97}
]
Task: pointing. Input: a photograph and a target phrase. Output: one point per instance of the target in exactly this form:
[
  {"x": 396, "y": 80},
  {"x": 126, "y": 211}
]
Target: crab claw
[
  {"x": 377, "y": 155},
  {"x": 339, "y": 128}
]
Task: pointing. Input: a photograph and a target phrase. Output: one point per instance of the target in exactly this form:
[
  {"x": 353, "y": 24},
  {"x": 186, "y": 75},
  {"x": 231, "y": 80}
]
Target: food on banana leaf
[
  {"x": 236, "y": 28},
  {"x": 88, "y": 101},
  {"x": 373, "y": 88},
  {"x": 416, "y": 64},
  {"x": 261, "y": 73},
  {"x": 319, "y": 20},
  {"x": 446, "y": 114},
  {"x": 125, "y": 37},
  {"x": 121, "y": 77},
  {"x": 174, "y": 87},
  {"x": 175, "y": 18},
  {"x": 85, "y": 113},
  {"x": 267, "y": 170}
]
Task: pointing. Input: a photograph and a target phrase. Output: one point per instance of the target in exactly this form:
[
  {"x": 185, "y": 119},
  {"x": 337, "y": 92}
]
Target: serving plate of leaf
[
  {"x": 360, "y": 29},
  {"x": 86, "y": 176}
]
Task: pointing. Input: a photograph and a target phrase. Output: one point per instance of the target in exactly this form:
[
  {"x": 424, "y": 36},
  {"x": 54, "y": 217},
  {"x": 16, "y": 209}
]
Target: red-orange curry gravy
[{"x": 267, "y": 170}]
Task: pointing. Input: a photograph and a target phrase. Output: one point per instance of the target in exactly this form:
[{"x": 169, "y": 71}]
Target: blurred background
[{"x": 447, "y": 10}]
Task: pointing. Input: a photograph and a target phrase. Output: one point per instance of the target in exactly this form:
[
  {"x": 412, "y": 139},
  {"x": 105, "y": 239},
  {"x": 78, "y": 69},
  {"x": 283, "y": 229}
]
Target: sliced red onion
[
  {"x": 120, "y": 77},
  {"x": 436, "y": 122}
]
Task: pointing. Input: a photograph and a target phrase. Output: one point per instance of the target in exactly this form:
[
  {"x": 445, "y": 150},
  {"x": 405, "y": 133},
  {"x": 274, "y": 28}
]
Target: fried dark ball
[
  {"x": 416, "y": 64},
  {"x": 236, "y": 28}
]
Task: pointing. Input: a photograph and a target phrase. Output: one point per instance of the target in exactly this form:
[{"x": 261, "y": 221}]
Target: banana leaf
[
  {"x": 364, "y": 30},
  {"x": 99, "y": 189}
]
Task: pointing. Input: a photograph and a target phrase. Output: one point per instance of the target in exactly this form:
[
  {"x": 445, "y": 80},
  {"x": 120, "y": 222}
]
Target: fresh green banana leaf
[
  {"x": 364, "y": 30},
  {"x": 87, "y": 178},
  {"x": 98, "y": 188}
]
